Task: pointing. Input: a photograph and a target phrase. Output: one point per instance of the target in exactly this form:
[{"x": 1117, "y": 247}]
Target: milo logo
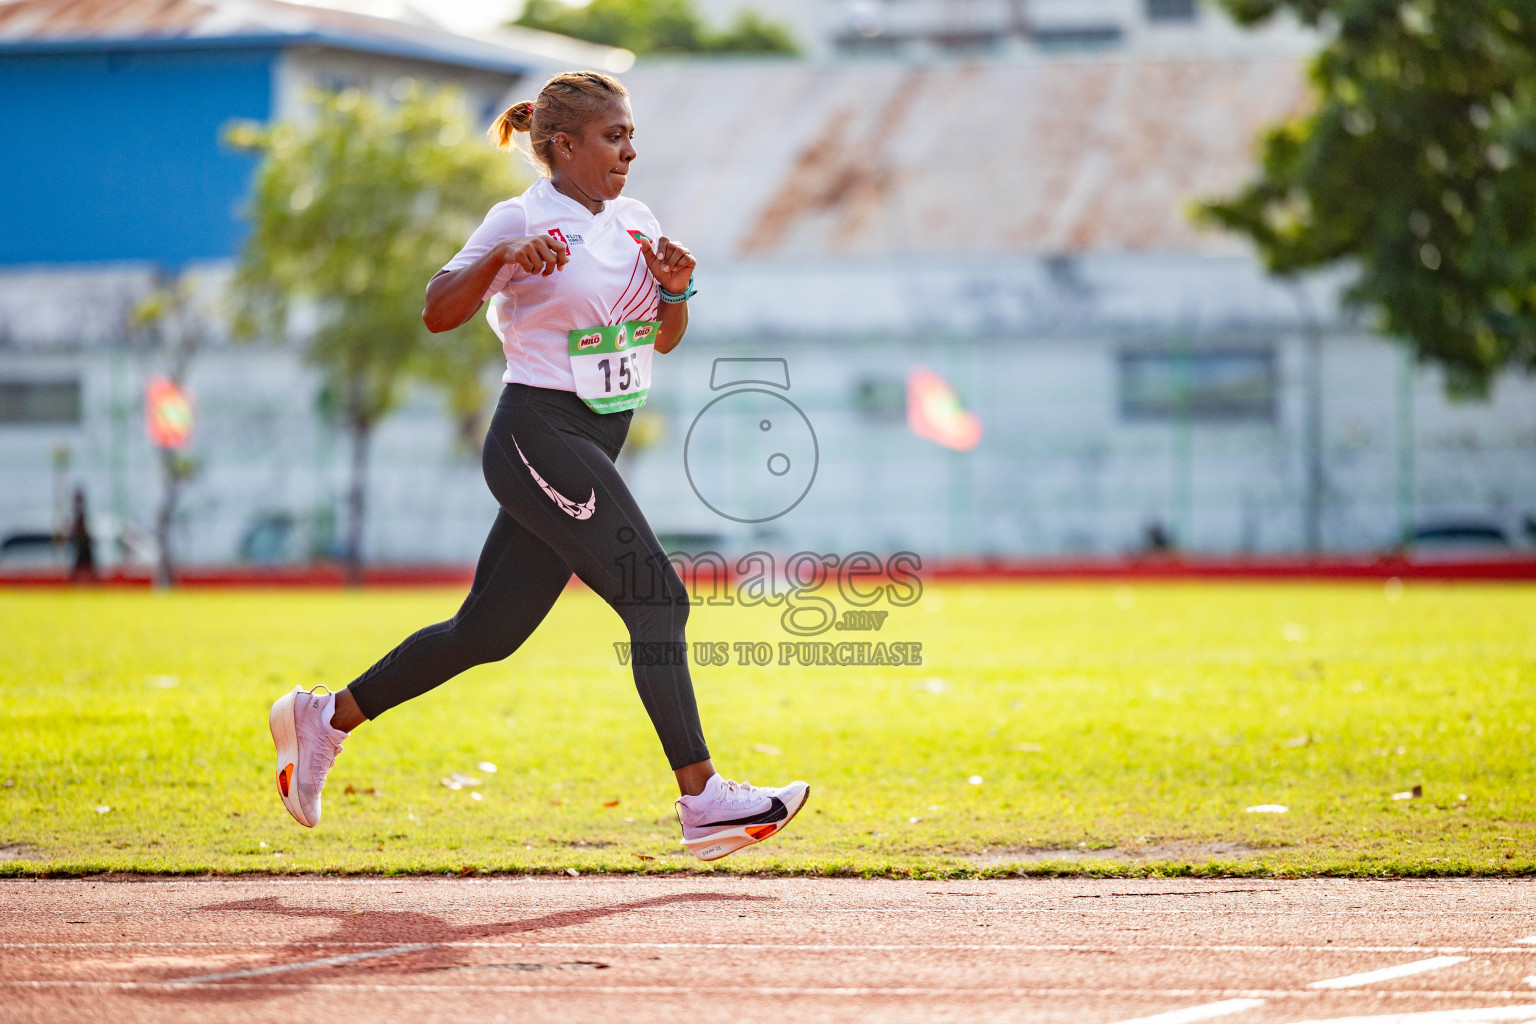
[
  {"x": 643, "y": 331},
  {"x": 590, "y": 340},
  {"x": 620, "y": 340}
]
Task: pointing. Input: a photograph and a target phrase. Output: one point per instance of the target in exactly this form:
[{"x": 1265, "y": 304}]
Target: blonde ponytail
[{"x": 516, "y": 118}]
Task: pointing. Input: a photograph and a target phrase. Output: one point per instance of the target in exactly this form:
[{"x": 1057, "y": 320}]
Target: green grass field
[{"x": 1112, "y": 730}]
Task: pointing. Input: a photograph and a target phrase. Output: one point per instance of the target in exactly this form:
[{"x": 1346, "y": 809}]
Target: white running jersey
[{"x": 606, "y": 282}]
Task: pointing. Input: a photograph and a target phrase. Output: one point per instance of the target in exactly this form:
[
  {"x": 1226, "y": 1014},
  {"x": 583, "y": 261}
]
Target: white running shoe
[
  {"x": 306, "y": 749},
  {"x": 730, "y": 815}
]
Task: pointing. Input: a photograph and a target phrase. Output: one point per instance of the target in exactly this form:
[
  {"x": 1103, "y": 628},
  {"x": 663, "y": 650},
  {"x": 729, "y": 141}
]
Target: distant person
[
  {"x": 82, "y": 546},
  {"x": 582, "y": 285},
  {"x": 1158, "y": 542}
]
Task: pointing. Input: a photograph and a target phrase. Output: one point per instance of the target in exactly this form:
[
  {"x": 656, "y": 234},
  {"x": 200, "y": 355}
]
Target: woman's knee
[
  {"x": 675, "y": 595},
  {"x": 660, "y": 614},
  {"x": 480, "y": 642}
]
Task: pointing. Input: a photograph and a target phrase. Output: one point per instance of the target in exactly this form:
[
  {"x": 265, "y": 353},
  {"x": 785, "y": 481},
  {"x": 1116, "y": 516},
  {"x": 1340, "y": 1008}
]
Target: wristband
[{"x": 683, "y": 296}]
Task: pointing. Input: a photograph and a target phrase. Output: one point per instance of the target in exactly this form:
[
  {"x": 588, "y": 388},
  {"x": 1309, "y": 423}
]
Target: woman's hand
[
  {"x": 670, "y": 264},
  {"x": 453, "y": 296},
  {"x": 537, "y": 254}
]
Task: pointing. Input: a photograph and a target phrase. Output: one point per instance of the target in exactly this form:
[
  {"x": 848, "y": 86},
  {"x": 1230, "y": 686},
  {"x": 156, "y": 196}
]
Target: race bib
[{"x": 612, "y": 365}]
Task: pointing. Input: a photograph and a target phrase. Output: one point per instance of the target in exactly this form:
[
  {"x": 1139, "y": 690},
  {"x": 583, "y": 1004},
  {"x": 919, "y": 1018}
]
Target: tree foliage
[
  {"x": 167, "y": 328},
  {"x": 655, "y": 26},
  {"x": 1417, "y": 163},
  {"x": 352, "y": 211}
]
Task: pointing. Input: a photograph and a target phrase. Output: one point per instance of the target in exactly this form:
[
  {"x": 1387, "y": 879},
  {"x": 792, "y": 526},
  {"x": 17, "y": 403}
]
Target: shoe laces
[
  {"x": 322, "y": 758},
  {"x": 734, "y": 793},
  {"x": 326, "y": 748}
]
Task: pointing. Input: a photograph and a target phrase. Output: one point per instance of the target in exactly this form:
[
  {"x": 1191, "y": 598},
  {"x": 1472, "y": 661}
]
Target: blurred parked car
[
  {"x": 1469, "y": 540},
  {"x": 32, "y": 549}
]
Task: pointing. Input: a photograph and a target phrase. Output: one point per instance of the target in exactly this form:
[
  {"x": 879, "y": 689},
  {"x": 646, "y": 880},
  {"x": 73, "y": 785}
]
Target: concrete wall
[
  {"x": 1060, "y": 470},
  {"x": 932, "y": 28},
  {"x": 262, "y": 450}
]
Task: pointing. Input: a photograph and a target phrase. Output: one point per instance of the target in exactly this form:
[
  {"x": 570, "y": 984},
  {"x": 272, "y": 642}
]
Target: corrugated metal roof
[
  {"x": 73, "y": 24},
  {"x": 933, "y": 162}
]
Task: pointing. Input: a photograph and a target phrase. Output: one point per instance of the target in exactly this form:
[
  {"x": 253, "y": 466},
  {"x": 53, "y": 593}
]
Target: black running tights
[{"x": 549, "y": 461}]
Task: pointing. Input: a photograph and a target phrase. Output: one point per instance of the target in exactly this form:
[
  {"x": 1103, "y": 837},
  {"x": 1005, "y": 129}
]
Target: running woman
[{"x": 583, "y": 287}]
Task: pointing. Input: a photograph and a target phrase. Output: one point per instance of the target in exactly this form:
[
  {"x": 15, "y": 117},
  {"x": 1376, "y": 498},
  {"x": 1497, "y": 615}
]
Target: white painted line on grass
[
  {"x": 1193, "y": 1013},
  {"x": 1529, "y": 940},
  {"x": 330, "y": 961},
  {"x": 1434, "y": 963}
]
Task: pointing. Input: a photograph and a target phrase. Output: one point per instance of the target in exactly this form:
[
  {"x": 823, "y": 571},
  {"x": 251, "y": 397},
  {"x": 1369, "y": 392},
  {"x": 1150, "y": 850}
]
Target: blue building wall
[{"x": 116, "y": 155}]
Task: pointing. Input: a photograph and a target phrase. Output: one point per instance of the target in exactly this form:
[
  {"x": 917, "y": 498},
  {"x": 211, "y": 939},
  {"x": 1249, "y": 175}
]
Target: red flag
[
  {"x": 167, "y": 414},
  {"x": 934, "y": 412}
]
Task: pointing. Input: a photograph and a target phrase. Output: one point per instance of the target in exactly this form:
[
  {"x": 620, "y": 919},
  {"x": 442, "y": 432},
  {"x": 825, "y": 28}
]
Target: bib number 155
[
  {"x": 628, "y": 371},
  {"x": 611, "y": 364}
]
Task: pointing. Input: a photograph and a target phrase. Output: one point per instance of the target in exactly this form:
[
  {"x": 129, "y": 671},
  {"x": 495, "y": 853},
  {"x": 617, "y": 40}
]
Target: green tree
[
  {"x": 1417, "y": 163},
  {"x": 353, "y": 210},
  {"x": 167, "y": 328},
  {"x": 655, "y": 26},
  {"x": 751, "y": 33}
]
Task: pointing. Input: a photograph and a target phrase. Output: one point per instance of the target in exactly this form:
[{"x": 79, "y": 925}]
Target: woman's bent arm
[
  {"x": 672, "y": 266},
  {"x": 674, "y": 323},
  {"x": 453, "y": 296}
]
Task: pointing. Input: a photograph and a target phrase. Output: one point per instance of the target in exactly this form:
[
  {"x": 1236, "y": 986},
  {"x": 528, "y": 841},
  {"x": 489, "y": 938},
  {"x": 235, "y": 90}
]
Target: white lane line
[
  {"x": 112, "y": 915},
  {"x": 939, "y": 993},
  {"x": 329, "y": 961},
  {"x": 1193, "y": 1013},
  {"x": 1434, "y": 963},
  {"x": 1529, "y": 940},
  {"x": 1487, "y": 1013}
]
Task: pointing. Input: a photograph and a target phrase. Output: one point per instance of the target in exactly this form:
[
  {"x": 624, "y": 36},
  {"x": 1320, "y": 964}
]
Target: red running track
[{"x": 702, "y": 949}]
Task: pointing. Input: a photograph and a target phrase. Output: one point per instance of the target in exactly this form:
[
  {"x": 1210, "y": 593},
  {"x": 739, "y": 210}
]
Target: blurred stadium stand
[
  {"x": 1021, "y": 226},
  {"x": 112, "y": 115},
  {"x": 928, "y": 29},
  {"x": 1016, "y": 222}
]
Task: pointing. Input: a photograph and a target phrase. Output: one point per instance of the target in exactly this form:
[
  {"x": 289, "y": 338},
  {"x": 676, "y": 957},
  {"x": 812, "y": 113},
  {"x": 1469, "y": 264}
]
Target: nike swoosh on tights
[
  {"x": 569, "y": 507},
  {"x": 776, "y": 812}
]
